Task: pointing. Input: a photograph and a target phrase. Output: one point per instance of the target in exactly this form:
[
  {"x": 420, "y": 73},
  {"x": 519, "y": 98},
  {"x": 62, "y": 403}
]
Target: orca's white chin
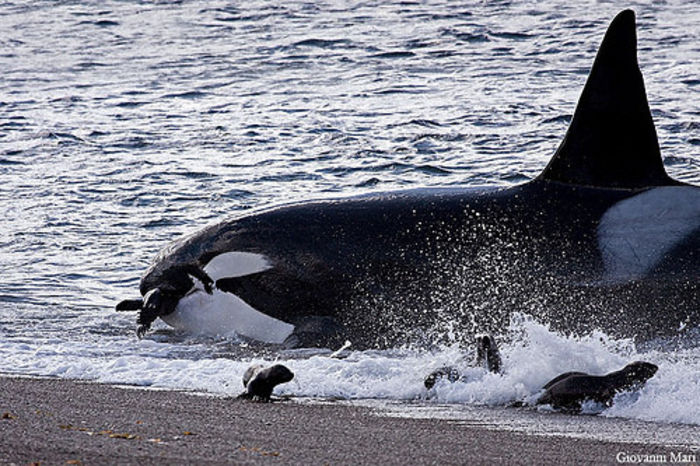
[{"x": 222, "y": 313}]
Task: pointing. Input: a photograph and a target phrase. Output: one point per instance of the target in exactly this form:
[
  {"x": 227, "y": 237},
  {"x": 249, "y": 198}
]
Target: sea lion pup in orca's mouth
[{"x": 260, "y": 381}]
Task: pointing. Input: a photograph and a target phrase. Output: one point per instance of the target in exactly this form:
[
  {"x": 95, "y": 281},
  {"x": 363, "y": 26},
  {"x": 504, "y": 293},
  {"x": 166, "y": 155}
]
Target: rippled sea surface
[{"x": 125, "y": 124}]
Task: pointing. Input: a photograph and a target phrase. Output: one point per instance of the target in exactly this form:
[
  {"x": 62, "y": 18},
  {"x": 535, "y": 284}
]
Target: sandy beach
[{"x": 54, "y": 421}]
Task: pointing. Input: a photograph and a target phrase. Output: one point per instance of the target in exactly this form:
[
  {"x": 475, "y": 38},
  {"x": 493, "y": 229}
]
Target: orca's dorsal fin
[{"x": 611, "y": 141}]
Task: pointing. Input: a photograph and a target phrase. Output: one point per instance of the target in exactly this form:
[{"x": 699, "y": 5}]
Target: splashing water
[{"x": 532, "y": 355}]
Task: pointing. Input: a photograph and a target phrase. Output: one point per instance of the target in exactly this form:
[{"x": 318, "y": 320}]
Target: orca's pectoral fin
[
  {"x": 316, "y": 332},
  {"x": 130, "y": 305}
]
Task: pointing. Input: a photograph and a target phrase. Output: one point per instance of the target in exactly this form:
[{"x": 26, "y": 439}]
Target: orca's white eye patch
[
  {"x": 236, "y": 264},
  {"x": 636, "y": 233},
  {"x": 221, "y": 312}
]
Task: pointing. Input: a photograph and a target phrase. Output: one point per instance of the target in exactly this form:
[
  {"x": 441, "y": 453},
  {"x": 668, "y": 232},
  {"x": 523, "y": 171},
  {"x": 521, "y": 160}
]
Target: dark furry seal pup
[
  {"x": 260, "y": 381},
  {"x": 487, "y": 356},
  {"x": 445, "y": 372},
  {"x": 569, "y": 390}
]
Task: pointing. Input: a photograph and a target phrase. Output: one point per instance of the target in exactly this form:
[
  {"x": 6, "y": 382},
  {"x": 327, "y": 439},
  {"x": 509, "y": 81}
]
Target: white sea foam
[{"x": 532, "y": 355}]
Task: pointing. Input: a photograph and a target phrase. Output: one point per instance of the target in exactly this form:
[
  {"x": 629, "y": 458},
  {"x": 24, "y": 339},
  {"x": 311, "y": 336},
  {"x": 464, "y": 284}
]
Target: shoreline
[{"x": 55, "y": 421}]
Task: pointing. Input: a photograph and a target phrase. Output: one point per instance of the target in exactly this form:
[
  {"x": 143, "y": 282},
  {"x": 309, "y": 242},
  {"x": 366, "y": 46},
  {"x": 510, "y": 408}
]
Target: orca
[{"x": 603, "y": 238}]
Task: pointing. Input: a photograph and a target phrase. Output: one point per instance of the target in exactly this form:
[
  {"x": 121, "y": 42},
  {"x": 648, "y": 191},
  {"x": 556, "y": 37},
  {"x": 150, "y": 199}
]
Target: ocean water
[{"x": 124, "y": 125}]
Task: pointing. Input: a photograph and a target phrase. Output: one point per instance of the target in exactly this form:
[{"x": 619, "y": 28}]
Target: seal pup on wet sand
[
  {"x": 259, "y": 381},
  {"x": 487, "y": 356},
  {"x": 567, "y": 391}
]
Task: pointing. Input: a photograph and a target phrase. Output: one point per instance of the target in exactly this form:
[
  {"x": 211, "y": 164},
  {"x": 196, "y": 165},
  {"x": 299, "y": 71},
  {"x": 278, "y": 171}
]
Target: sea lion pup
[
  {"x": 445, "y": 372},
  {"x": 567, "y": 391},
  {"x": 487, "y": 356},
  {"x": 260, "y": 381}
]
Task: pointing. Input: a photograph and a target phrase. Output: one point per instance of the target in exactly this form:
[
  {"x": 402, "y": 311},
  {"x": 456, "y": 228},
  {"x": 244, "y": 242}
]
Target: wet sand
[{"x": 54, "y": 421}]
